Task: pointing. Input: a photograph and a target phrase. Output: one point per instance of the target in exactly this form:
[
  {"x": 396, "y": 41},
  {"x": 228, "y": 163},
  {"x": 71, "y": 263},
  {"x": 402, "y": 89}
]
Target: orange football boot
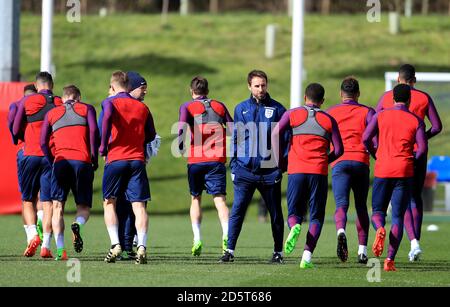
[
  {"x": 32, "y": 247},
  {"x": 378, "y": 244},
  {"x": 389, "y": 265},
  {"x": 46, "y": 253}
]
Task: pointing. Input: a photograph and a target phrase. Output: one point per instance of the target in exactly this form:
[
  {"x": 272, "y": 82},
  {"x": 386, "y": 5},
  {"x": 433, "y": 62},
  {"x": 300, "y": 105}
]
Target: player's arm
[
  {"x": 379, "y": 107},
  {"x": 228, "y": 121},
  {"x": 435, "y": 120},
  {"x": 370, "y": 116},
  {"x": 336, "y": 139},
  {"x": 11, "y": 115},
  {"x": 100, "y": 117},
  {"x": 369, "y": 134},
  {"x": 45, "y": 139},
  {"x": 277, "y": 140},
  {"x": 421, "y": 141},
  {"x": 19, "y": 121},
  {"x": 108, "y": 112},
  {"x": 94, "y": 135},
  {"x": 150, "y": 131},
  {"x": 238, "y": 120},
  {"x": 183, "y": 126}
]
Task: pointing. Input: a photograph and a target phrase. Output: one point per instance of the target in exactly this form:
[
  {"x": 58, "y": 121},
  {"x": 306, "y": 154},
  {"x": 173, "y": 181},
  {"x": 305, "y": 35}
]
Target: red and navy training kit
[
  {"x": 252, "y": 166},
  {"x": 127, "y": 127},
  {"x": 422, "y": 105},
  {"x": 398, "y": 132},
  {"x": 206, "y": 119},
  {"x": 36, "y": 170},
  {"x": 351, "y": 171},
  {"x": 73, "y": 129},
  {"x": 313, "y": 131}
]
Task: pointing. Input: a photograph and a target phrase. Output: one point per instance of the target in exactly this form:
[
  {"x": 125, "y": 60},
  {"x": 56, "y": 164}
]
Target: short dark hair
[
  {"x": 256, "y": 74},
  {"x": 30, "y": 88},
  {"x": 315, "y": 92},
  {"x": 44, "y": 77},
  {"x": 72, "y": 91},
  {"x": 402, "y": 93},
  {"x": 199, "y": 86},
  {"x": 350, "y": 86},
  {"x": 407, "y": 73}
]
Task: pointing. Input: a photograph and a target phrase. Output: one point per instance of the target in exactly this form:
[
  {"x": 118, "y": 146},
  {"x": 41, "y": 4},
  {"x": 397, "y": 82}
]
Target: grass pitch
[{"x": 171, "y": 264}]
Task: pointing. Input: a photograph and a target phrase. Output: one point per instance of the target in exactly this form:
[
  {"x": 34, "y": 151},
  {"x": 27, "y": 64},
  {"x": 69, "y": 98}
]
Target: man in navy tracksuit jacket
[{"x": 253, "y": 165}]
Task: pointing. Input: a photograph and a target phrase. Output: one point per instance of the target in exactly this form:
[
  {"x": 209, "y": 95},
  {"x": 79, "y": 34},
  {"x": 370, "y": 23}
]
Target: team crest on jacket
[{"x": 269, "y": 113}]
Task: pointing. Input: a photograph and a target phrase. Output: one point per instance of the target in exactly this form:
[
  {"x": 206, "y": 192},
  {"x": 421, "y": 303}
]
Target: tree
[
  {"x": 425, "y": 6},
  {"x": 165, "y": 12},
  {"x": 325, "y": 7},
  {"x": 112, "y": 6},
  {"x": 184, "y": 7},
  {"x": 214, "y": 6}
]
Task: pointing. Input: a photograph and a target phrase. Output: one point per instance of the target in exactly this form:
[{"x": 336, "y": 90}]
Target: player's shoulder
[
  {"x": 415, "y": 118},
  {"x": 335, "y": 108},
  {"x": 57, "y": 100},
  {"x": 420, "y": 94},
  {"x": 387, "y": 94},
  {"x": 86, "y": 106},
  {"x": 366, "y": 108},
  {"x": 13, "y": 106},
  {"x": 276, "y": 104},
  {"x": 56, "y": 111},
  {"x": 34, "y": 98}
]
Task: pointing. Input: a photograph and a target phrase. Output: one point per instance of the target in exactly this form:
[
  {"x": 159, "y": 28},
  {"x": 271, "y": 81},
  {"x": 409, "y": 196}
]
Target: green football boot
[
  {"x": 197, "y": 249},
  {"x": 305, "y": 265},
  {"x": 40, "y": 229},
  {"x": 292, "y": 239}
]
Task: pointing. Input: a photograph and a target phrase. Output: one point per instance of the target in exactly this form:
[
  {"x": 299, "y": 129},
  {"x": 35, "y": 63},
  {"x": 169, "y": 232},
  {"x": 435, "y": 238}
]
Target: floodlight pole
[
  {"x": 47, "y": 33},
  {"x": 297, "y": 53},
  {"x": 9, "y": 36}
]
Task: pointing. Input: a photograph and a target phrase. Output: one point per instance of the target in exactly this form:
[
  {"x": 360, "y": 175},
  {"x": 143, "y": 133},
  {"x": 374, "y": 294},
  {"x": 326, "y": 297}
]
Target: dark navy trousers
[{"x": 245, "y": 184}]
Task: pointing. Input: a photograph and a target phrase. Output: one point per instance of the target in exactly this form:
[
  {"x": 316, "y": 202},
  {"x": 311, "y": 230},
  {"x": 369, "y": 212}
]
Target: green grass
[
  {"x": 171, "y": 263},
  {"x": 224, "y": 49}
]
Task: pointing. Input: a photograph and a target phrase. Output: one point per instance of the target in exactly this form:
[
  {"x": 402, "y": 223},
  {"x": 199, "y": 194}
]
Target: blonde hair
[{"x": 120, "y": 79}]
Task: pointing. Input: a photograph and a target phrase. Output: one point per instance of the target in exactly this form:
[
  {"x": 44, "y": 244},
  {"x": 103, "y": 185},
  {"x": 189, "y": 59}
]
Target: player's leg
[
  {"x": 62, "y": 179},
  {"x": 140, "y": 211},
  {"x": 27, "y": 214},
  {"x": 115, "y": 176},
  {"x": 123, "y": 208},
  {"x": 45, "y": 196},
  {"x": 30, "y": 167},
  {"x": 138, "y": 193},
  {"x": 82, "y": 189},
  {"x": 224, "y": 214},
  {"x": 400, "y": 199},
  {"x": 297, "y": 202},
  {"x": 318, "y": 185},
  {"x": 341, "y": 182},
  {"x": 360, "y": 186},
  {"x": 130, "y": 234},
  {"x": 381, "y": 196},
  {"x": 195, "y": 213},
  {"x": 244, "y": 187},
  {"x": 196, "y": 178},
  {"x": 414, "y": 213},
  {"x": 216, "y": 185},
  {"x": 270, "y": 191},
  {"x": 58, "y": 229}
]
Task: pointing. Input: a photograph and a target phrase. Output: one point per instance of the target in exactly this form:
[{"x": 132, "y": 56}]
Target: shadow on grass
[{"x": 148, "y": 64}]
